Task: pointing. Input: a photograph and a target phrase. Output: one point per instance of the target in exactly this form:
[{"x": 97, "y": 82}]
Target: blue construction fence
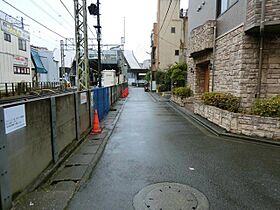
[{"x": 105, "y": 97}]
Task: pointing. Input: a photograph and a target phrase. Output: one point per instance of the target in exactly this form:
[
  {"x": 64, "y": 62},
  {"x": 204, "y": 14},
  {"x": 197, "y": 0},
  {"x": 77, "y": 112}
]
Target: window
[
  {"x": 21, "y": 44},
  {"x": 7, "y": 37},
  {"x": 224, "y": 5},
  {"x": 21, "y": 70},
  {"x": 176, "y": 52},
  {"x": 173, "y": 30}
]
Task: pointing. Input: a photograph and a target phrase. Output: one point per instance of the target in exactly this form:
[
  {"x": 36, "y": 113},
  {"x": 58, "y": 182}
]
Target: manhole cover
[{"x": 170, "y": 196}]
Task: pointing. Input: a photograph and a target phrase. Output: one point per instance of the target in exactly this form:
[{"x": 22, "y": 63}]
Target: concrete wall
[
  {"x": 32, "y": 149},
  {"x": 65, "y": 115},
  {"x": 29, "y": 148},
  {"x": 198, "y": 18},
  {"x": 233, "y": 17}
]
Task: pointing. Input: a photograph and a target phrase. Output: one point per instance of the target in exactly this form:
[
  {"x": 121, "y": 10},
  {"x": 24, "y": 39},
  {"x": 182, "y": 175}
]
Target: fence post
[
  {"x": 77, "y": 115},
  {"x": 90, "y": 103},
  {"x": 5, "y": 191},
  {"x": 54, "y": 130}
]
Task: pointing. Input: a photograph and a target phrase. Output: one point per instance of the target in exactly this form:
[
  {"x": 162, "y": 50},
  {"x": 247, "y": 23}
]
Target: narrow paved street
[{"x": 152, "y": 143}]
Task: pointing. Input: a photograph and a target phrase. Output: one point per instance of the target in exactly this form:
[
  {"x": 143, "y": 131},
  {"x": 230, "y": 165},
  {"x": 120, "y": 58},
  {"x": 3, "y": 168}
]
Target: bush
[
  {"x": 267, "y": 107},
  {"x": 183, "y": 92},
  {"x": 224, "y": 101},
  {"x": 162, "y": 88}
]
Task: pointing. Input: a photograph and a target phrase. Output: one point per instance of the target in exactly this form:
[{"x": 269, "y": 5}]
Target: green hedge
[
  {"x": 162, "y": 88},
  {"x": 224, "y": 101},
  {"x": 267, "y": 107},
  {"x": 182, "y": 92}
]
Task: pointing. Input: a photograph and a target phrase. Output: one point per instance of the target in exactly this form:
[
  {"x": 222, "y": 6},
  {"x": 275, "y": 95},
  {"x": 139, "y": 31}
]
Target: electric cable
[
  {"x": 34, "y": 20},
  {"x": 73, "y": 16},
  {"x": 48, "y": 14},
  {"x": 165, "y": 15},
  {"x": 170, "y": 18},
  {"x": 50, "y": 7}
]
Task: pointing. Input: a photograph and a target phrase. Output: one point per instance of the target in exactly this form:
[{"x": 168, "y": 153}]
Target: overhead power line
[
  {"x": 171, "y": 17},
  {"x": 47, "y": 13},
  {"x": 165, "y": 15},
  {"x": 56, "y": 12},
  {"x": 34, "y": 20},
  {"x": 73, "y": 16},
  {"x": 67, "y": 9}
]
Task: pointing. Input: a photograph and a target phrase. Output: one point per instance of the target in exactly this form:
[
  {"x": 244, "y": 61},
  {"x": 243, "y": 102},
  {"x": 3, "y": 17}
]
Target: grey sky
[{"x": 139, "y": 18}]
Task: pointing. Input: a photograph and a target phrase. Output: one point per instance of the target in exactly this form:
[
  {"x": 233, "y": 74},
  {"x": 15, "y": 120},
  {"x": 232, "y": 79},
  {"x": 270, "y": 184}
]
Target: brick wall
[
  {"x": 272, "y": 12},
  {"x": 202, "y": 37},
  {"x": 236, "y": 66}
]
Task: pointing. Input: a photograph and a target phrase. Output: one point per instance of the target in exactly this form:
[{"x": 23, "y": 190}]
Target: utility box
[{"x": 109, "y": 78}]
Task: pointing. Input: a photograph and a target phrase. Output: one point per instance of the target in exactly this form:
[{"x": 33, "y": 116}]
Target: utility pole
[
  {"x": 81, "y": 38},
  {"x": 62, "y": 59},
  {"x": 94, "y": 9},
  {"x": 98, "y": 43}
]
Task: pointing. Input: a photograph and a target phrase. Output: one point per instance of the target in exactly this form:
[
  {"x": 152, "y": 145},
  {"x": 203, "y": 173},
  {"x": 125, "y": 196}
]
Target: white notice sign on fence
[
  {"x": 83, "y": 98},
  {"x": 14, "y": 118}
]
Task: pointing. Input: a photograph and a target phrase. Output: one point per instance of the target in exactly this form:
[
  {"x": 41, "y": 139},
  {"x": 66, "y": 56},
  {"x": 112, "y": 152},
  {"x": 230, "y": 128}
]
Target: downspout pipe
[
  {"x": 259, "y": 84},
  {"x": 214, "y": 55}
]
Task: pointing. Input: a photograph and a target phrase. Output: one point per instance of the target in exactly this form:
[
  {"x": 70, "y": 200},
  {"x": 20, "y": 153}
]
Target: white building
[
  {"x": 15, "y": 58},
  {"x": 45, "y": 66}
]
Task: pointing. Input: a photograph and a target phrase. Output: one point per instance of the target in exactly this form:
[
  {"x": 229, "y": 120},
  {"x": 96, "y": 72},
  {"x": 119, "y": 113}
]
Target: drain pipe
[
  {"x": 214, "y": 54},
  {"x": 261, "y": 49}
]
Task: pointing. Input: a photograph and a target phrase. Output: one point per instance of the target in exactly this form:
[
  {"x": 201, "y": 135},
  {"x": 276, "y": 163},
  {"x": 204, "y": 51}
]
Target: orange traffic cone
[{"x": 96, "y": 127}]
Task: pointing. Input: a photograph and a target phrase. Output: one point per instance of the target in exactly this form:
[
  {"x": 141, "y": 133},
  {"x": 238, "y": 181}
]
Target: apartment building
[
  {"x": 234, "y": 47},
  {"x": 15, "y": 58},
  {"x": 168, "y": 35}
]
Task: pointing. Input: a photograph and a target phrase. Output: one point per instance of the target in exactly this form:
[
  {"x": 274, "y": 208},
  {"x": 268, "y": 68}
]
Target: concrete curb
[{"x": 211, "y": 127}]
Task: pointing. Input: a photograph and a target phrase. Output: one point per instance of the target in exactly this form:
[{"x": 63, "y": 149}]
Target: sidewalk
[
  {"x": 74, "y": 172},
  {"x": 213, "y": 128}
]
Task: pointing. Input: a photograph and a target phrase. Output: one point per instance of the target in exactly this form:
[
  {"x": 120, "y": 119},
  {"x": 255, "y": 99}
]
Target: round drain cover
[{"x": 170, "y": 196}]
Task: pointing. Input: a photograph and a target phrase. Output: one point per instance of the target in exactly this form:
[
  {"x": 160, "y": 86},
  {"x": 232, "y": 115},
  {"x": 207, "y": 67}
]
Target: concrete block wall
[
  {"x": 84, "y": 117},
  {"x": 29, "y": 148},
  {"x": 65, "y": 115}
]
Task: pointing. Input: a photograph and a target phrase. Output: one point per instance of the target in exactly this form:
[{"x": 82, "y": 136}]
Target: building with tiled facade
[{"x": 231, "y": 51}]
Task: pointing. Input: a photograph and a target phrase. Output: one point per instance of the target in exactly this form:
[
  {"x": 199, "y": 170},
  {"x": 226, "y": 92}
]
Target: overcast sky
[{"x": 139, "y": 18}]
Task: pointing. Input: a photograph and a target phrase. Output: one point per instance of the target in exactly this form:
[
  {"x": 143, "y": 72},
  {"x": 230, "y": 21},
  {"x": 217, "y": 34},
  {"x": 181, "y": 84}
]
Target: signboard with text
[
  {"x": 14, "y": 118},
  {"x": 18, "y": 32},
  {"x": 20, "y": 61}
]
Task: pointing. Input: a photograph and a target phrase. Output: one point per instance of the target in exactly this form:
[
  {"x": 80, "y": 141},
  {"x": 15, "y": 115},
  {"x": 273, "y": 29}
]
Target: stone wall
[
  {"x": 202, "y": 37},
  {"x": 181, "y": 101},
  {"x": 249, "y": 125},
  {"x": 236, "y": 65},
  {"x": 272, "y": 12}
]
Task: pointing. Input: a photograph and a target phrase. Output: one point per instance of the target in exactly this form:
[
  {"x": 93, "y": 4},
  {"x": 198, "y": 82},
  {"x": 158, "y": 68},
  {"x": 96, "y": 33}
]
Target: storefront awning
[{"x": 39, "y": 67}]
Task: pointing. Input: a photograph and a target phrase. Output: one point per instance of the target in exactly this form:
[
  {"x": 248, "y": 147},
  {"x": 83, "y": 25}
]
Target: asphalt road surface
[{"x": 152, "y": 143}]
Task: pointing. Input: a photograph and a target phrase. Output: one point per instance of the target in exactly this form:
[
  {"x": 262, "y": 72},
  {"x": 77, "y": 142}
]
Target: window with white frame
[{"x": 21, "y": 44}]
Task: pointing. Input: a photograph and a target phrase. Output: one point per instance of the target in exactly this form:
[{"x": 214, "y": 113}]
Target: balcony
[
  {"x": 272, "y": 16},
  {"x": 202, "y": 38}
]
